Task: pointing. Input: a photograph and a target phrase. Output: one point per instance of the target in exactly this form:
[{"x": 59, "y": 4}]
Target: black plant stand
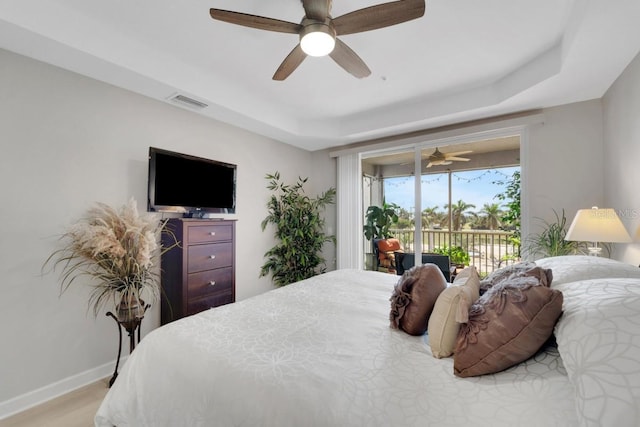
[{"x": 130, "y": 326}]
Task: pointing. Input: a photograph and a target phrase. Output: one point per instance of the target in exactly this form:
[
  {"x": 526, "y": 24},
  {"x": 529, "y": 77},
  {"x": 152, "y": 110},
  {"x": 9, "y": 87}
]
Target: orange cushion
[{"x": 387, "y": 245}]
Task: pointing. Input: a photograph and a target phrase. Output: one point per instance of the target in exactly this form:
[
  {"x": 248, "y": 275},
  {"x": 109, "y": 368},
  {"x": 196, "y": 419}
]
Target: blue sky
[{"x": 475, "y": 187}]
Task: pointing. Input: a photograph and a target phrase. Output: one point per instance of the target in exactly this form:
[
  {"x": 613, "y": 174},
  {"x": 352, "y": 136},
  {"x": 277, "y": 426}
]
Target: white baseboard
[{"x": 36, "y": 397}]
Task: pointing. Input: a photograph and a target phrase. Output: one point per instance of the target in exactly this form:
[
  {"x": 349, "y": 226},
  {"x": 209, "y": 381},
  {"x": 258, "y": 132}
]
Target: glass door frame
[{"x": 419, "y": 146}]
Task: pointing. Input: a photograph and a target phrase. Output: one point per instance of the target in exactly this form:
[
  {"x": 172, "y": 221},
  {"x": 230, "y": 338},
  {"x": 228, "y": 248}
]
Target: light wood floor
[{"x": 75, "y": 409}]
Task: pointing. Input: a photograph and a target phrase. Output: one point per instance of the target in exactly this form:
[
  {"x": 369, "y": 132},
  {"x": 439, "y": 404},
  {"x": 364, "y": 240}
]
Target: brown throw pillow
[
  {"x": 414, "y": 296},
  {"x": 507, "y": 325}
]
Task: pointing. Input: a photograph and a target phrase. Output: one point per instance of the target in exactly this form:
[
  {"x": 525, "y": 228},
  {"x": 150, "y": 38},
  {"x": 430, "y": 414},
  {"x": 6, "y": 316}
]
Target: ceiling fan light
[{"x": 317, "y": 40}]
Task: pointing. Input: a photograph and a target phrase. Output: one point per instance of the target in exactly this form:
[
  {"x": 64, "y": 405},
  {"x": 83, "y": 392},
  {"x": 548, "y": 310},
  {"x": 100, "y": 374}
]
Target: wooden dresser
[{"x": 199, "y": 274}]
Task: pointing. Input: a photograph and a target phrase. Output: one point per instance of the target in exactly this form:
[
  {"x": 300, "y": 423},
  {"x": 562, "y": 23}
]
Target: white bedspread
[{"x": 321, "y": 353}]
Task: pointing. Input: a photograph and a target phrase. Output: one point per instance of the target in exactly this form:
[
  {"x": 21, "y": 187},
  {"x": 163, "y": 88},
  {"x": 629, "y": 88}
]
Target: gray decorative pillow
[
  {"x": 414, "y": 296},
  {"x": 503, "y": 273}
]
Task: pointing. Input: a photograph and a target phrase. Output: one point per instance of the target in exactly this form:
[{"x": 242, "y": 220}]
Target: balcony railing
[{"x": 488, "y": 250}]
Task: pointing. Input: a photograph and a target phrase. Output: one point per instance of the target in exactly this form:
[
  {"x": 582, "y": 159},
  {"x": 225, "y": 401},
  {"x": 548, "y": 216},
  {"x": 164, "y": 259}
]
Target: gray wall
[
  {"x": 323, "y": 174},
  {"x": 564, "y": 163},
  {"x": 622, "y": 155},
  {"x": 66, "y": 142}
]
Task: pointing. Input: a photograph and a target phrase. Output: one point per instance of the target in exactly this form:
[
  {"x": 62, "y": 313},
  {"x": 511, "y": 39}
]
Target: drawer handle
[
  {"x": 213, "y": 233},
  {"x": 212, "y": 256},
  {"x": 212, "y": 283}
]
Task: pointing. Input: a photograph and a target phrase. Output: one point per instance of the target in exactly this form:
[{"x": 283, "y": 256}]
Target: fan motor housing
[{"x": 317, "y": 38}]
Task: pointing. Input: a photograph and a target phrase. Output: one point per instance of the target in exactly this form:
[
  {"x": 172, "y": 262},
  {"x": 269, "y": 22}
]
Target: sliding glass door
[
  {"x": 388, "y": 183},
  {"x": 446, "y": 200}
]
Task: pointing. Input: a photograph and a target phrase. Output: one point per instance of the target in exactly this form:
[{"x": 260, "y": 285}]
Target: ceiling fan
[
  {"x": 318, "y": 30},
  {"x": 438, "y": 158}
]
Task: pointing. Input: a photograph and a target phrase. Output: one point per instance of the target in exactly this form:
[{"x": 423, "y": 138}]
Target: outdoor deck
[{"x": 487, "y": 249}]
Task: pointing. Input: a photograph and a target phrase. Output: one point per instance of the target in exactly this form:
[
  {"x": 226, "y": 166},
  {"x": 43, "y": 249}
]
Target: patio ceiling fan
[
  {"x": 438, "y": 158},
  {"x": 318, "y": 31}
]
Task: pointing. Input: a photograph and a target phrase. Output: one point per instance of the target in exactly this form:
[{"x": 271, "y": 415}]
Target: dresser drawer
[
  {"x": 200, "y": 272},
  {"x": 210, "y": 281},
  {"x": 206, "y": 303},
  {"x": 207, "y": 257},
  {"x": 209, "y": 233}
]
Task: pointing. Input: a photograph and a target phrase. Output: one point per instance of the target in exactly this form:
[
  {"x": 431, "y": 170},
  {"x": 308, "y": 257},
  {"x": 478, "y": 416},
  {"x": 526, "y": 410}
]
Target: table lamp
[{"x": 597, "y": 225}]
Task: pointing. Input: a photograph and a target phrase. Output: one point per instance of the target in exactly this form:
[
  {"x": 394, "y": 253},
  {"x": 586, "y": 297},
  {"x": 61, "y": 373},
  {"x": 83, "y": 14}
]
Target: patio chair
[{"x": 404, "y": 261}]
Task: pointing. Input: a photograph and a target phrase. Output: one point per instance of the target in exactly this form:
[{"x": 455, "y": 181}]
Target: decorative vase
[{"x": 130, "y": 311}]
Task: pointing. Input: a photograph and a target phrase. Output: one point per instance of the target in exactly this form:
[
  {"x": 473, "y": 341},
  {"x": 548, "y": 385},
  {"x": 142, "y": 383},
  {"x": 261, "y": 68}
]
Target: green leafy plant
[
  {"x": 457, "y": 255},
  {"x": 511, "y": 216},
  {"x": 379, "y": 220},
  {"x": 299, "y": 229},
  {"x": 551, "y": 240}
]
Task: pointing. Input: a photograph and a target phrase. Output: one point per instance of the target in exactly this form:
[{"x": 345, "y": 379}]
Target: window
[
  {"x": 350, "y": 211},
  {"x": 453, "y": 206}
]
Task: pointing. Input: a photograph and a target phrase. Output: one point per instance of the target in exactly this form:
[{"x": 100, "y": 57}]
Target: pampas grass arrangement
[{"x": 117, "y": 250}]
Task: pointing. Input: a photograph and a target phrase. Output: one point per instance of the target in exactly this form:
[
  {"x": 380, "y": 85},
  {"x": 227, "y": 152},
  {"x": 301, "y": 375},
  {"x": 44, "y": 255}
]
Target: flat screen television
[{"x": 188, "y": 184}]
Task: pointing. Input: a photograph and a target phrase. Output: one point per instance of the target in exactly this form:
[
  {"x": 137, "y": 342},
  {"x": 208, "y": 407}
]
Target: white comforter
[{"x": 321, "y": 353}]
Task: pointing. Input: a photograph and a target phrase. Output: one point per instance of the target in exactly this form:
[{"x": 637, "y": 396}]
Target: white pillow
[
  {"x": 451, "y": 309},
  {"x": 598, "y": 339},
  {"x": 570, "y": 268}
]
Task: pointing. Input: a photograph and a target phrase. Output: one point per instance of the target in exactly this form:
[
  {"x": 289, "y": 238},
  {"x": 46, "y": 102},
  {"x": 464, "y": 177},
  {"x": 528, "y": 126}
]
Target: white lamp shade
[{"x": 597, "y": 225}]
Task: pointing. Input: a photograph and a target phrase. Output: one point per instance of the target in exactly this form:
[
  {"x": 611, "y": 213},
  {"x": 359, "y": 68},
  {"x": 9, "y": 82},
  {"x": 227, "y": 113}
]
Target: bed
[{"x": 320, "y": 352}]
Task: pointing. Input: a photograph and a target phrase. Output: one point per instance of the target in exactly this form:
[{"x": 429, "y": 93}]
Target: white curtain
[{"x": 349, "y": 251}]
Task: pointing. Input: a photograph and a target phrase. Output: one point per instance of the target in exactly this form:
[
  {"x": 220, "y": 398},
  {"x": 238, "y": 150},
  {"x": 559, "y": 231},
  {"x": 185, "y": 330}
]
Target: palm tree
[
  {"x": 431, "y": 216},
  {"x": 460, "y": 212},
  {"x": 405, "y": 219},
  {"x": 492, "y": 213},
  {"x": 442, "y": 218}
]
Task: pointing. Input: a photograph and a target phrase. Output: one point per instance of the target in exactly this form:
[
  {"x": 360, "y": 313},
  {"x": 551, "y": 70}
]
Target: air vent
[{"x": 187, "y": 101}]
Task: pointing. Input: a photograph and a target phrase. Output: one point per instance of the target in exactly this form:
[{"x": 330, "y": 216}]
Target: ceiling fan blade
[
  {"x": 458, "y": 153},
  {"x": 317, "y": 9},
  {"x": 349, "y": 60},
  {"x": 439, "y": 163},
  {"x": 379, "y": 16},
  {"x": 254, "y": 21},
  {"x": 458, "y": 159},
  {"x": 290, "y": 63}
]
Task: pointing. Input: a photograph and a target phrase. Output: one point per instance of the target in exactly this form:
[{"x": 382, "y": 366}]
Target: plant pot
[
  {"x": 369, "y": 261},
  {"x": 130, "y": 311}
]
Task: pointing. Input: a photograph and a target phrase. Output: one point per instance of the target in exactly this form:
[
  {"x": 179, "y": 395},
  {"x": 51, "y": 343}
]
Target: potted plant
[
  {"x": 117, "y": 250},
  {"x": 379, "y": 220},
  {"x": 551, "y": 240},
  {"x": 299, "y": 229},
  {"x": 457, "y": 255}
]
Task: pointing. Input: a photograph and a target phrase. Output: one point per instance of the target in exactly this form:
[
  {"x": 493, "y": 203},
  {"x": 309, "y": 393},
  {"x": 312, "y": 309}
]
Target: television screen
[{"x": 188, "y": 184}]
